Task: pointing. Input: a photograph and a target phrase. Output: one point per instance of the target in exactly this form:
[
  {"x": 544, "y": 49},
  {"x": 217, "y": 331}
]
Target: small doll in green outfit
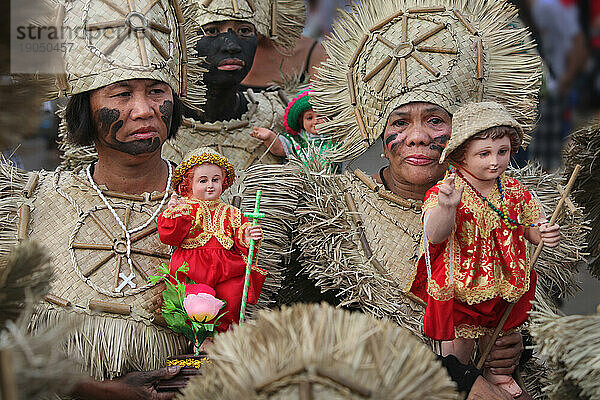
[{"x": 301, "y": 132}]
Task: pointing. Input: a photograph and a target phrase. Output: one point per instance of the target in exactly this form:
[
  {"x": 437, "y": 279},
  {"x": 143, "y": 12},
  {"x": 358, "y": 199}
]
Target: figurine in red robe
[
  {"x": 210, "y": 236},
  {"x": 476, "y": 223}
]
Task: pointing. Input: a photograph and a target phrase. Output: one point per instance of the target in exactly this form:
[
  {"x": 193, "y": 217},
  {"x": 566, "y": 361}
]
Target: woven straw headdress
[
  {"x": 109, "y": 41},
  {"x": 473, "y": 118},
  {"x": 280, "y": 20},
  {"x": 388, "y": 53},
  {"x": 204, "y": 155}
]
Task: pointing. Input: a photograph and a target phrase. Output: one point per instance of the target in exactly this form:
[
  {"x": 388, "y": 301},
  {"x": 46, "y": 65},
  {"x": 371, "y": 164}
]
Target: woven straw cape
[
  {"x": 387, "y": 53},
  {"x": 571, "y": 346},
  {"x": 473, "y": 118},
  {"x": 201, "y": 156},
  {"x": 312, "y": 351},
  {"x": 280, "y": 20},
  {"x": 583, "y": 148}
]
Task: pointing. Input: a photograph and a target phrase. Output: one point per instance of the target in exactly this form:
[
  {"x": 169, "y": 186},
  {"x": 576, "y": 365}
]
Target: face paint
[
  {"x": 414, "y": 137},
  {"x": 229, "y": 54},
  {"x": 392, "y": 142},
  {"x": 439, "y": 143},
  {"x": 109, "y": 125},
  {"x": 166, "y": 111}
]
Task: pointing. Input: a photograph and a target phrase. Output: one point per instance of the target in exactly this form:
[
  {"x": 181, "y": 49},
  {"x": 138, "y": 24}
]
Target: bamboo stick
[
  {"x": 385, "y": 21},
  {"x": 358, "y": 50},
  {"x": 537, "y": 253},
  {"x": 109, "y": 307},
  {"x": 59, "y": 301}
]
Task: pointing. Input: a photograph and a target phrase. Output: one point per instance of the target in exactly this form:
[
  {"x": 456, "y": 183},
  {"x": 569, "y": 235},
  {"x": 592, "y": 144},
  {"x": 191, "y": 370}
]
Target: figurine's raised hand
[
  {"x": 255, "y": 232},
  {"x": 263, "y": 134},
  {"x": 448, "y": 195},
  {"x": 175, "y": 200}
]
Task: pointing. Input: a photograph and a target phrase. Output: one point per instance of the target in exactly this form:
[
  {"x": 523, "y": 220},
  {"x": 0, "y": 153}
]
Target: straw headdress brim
[
  {"x": 313, "y": 344},
  {"x": 280, "y": 20}
]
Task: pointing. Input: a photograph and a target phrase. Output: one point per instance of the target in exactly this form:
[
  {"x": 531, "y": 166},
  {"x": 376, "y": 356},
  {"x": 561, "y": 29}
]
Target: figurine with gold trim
[
  {"x": 209, "y": 235},
  {"x": 476, "y": 223}
]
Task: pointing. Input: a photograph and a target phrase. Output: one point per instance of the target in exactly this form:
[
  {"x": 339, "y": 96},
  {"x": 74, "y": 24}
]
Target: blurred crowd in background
[{"x": 568, "y": 37}]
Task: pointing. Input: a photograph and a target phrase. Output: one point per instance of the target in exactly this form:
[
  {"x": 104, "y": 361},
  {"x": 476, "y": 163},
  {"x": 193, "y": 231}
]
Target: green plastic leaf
[
  {"x": 184, "y": 268},
  {"x": 164, "y": 268},
  {"x": 169, "y": 307},
  {"x": 154, "y": 279},
  {"x": 177, "y": 323}
]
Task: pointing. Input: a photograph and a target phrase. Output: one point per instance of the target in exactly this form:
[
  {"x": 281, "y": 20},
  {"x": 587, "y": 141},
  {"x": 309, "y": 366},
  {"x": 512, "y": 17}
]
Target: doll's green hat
[{"x": 294, "y": 109}]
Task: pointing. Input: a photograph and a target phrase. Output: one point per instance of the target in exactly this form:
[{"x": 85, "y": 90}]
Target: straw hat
[
  {"x": 280, "y": 20},
  {"x": 204, "y": 155},
  {"x": 294, "y": 110},
  {"x": 316, "y": 351},
  {"x": 473, "y": 118},
  {"x": 387, "y": 53},
  {"x": 110, "y": 41}
]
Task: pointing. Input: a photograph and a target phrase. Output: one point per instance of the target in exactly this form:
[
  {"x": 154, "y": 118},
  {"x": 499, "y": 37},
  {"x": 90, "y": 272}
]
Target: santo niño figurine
[
  {"x": 475, "y": 225},
  {"x": 210, "y": 236}
]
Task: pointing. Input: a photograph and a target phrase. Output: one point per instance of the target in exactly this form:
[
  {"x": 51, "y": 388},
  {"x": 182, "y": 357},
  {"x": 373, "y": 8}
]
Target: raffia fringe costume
[
  {"x": 280, "y": 20},
  {"x": 360, "y": 240},
  {"x": 320, "y": 352}
]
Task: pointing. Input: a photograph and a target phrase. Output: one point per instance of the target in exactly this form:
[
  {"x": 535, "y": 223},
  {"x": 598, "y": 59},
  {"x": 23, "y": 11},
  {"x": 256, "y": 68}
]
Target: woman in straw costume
[
  {"x": 399, "y": 69},
  {"x": 227, "y": 42},
  {"x": 98, "y": 222}
]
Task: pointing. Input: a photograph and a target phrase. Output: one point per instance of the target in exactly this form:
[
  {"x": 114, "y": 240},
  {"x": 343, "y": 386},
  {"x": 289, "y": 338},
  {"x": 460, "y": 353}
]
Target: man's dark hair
[{"x": 80, "y": 125}]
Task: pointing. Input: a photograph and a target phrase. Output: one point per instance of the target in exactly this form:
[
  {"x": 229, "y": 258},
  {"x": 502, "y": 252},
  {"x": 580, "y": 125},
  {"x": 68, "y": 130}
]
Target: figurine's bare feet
[{"x": 506, "y": 382}]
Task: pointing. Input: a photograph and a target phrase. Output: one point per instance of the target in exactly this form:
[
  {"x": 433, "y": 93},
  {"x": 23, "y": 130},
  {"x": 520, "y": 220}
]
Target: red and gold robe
[
  {"x": 209, "y": 236},
  {"x": 490, "y": 269}
]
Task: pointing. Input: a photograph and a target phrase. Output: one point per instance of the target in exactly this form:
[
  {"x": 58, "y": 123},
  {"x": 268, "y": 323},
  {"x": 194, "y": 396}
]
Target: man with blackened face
[
  {"x": 229, "y": 48},
  {"x": 227, "y": 42}
]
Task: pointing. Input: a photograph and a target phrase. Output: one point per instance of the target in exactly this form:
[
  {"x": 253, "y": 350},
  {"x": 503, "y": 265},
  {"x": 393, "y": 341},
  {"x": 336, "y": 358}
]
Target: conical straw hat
[
  {"x": 387, "y": 53},
  {"x": 473, "y": 118},
  {"x": 280, "y": 20}
]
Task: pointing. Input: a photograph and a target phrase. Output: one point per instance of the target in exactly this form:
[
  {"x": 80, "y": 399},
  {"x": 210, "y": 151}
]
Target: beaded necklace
[
  {"x": 128, "y": 232},
  {"x": 503, "y": 211}
]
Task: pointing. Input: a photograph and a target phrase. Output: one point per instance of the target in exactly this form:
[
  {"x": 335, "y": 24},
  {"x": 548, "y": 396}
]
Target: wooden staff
[{"x": 537, "y": 253}]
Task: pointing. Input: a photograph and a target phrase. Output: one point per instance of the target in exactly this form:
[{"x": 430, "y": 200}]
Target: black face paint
[
  {"x": 391, "y": 139},
  {"x": 109, "y": 124},
  {"x": 166, "y": 111},
  {"x": 439, "y": 143},
  {"x": 228, "y": 45}
]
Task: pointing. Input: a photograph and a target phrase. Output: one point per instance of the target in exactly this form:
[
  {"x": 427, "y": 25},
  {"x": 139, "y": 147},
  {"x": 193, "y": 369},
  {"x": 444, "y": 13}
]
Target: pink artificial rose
[{"x": 202, "y": 307}]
